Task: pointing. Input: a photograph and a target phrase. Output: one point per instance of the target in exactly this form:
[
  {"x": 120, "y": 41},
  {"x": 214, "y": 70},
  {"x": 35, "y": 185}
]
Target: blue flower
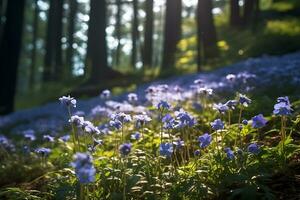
[
  {"x": 244, "y": 100},
  {"x": 116, "y": 124},
  {"x": 204, "y": 140},
  {"x": 125, "y": 149},
  {"x": 184, "y": 119},
  {"x": 141, "y": 119},
  {"x": 65, "y": 138},
  {"x": 84, "y": 169},
  {"x": 163, "y": 105},
  {"x": 136, "y": 136},
  {"x": 68, "y": 101},
  {"x": 232, "y": 104},
  {"x": 48, "y": 138},
  {"x": 245, "y": 122},
  {"x": 76, "y": 120},
  {"x": 253, "y": 148},
  {"x": 222, "y": 108},
  {"x": 283, "y": 100},
  {"x": 217, "y": 124},
  {"x": 43, "y": 151},
  {"x": 282, "y": 109},
  {"x": 105, "y": 94},
  {"x": 132, "y": 97},
  {"x": 197, "y": 152},
  {"x": 258, "y": 121},
  {"x": 229, "y": 153},
  {"x": 166, "y": 149},
  {"x": 29, "y": 134},
  {"x": 179, "y": 143},
  {"x": 168, "y": 121}
]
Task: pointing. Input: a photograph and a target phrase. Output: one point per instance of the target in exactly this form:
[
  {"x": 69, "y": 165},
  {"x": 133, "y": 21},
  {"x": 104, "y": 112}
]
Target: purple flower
[
  {"x": 65, "y": 138},
  {"x": 88, "y": 127},
  {"x": 222, "y": 108},
  {"x": 283, "y": 107},
  {"x": 232, "y": 104},
  {"x": 48, "y": 138},
  {"x": 245, "y": 122},
  {"x": 29, "y": 134},
  {"x": 229, "y": 153},
  {"x": 166, "y": 149},
  {"x": 132, "y": 97},
  {"x": 136, "y": 136},
  {"x": 204, "y": 140},
  {"x": 253, "y": 148},
  {"x": 125, "y": 149},
  {"x": 244, "y": 100},
  {"x": 76, "y": 120},
  {"x": 168, "y": 121},
  {"x": 141, "y": 119},
  {"x": 205, "y": 91},
  {"x": 122, "y": 117},
  {"x": 197, "y": 152},
  {"x": 258, "y": 121},
  {"x": 184, "y": 119},
  {"x": 84, "y": 169},
  {"x": 163, "y": 105},
  {"x": 105, "y": 94},
  {"x": 68, "y": 101},
  {"x": 43, "y": 151},
  {"x": 217, "y": 124},
  {"x": 116, "y": 124}
]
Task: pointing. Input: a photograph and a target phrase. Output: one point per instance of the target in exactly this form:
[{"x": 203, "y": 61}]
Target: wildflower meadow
[{"x": 172, "y": 143}]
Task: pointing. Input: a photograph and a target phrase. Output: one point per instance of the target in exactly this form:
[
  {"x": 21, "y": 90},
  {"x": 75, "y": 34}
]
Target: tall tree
[
  {"x": 134, "y": 33},
  {"x": 71, "y": 30},
  {"x": 251, "y": 9},
  {"x": 9, "y": 53},
  {"x": 35, "y": 26},
  {"x": 118, "y": 31},
  {"x": 148, "y": 34},
  {"x": 206, "y": 31},
  {"x": 96, "y": 58},
  {"x": 172, "y": 33},
  {"x": 53, "y": 56},
  {"x": 235, "y": 18}
]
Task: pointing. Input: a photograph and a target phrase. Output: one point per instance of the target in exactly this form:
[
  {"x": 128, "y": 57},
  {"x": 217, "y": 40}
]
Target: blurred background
[{"x": 51, "y": 48}]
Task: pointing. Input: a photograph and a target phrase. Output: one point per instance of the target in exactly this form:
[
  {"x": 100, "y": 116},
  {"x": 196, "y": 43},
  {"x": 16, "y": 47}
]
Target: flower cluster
[
  {"x": 68, "y": 101},
  {"x": 84, "y": 169},
  {"x": 282, "y": 107}
]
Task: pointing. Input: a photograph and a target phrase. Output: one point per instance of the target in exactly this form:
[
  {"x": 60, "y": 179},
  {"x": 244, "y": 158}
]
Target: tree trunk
[
  {"x": 3, "y": 6},
  {"x": 235, "y": 18},
  {"x": 97, "y": 48},
  {"x": 118, "y": 31},
  {"x": 249, "y": 8},
  {"x": 172, "y": 34},
  {"x": 34, "y": 40},
  {"x": 53, "y": 56},
  {"x": 135, "y": 34},
  {"x": 71, "y": 30},
  {"x": 10, "y": 52},
  {"x": 206, "y": 32},
  {"x": 148, "y": 35}
]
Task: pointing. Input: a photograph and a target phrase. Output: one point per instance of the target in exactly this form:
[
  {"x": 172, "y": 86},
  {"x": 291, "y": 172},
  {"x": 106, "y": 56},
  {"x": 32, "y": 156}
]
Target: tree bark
[
  {"x": 10, "y": 53},
  {"x": 118, "y": 31},
  {"x": 148, "y": 35},
  {"x": 34, "y": 40},
  {"x": 206, "y": 32},
  {"x": 172, "y": 34},
  {"x": 53, "y": 56},
  {"x": 235, "y": 18},
  {"x": 71, "y": 30},
  {"x": 135, "y": 34},
  {"x": 251, "y": 9},
  {"x": 97, "y": 47}
]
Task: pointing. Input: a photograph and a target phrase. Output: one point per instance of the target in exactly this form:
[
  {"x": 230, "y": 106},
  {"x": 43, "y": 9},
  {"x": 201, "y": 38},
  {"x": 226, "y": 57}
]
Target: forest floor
[{"x": 268, "y": 77}]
